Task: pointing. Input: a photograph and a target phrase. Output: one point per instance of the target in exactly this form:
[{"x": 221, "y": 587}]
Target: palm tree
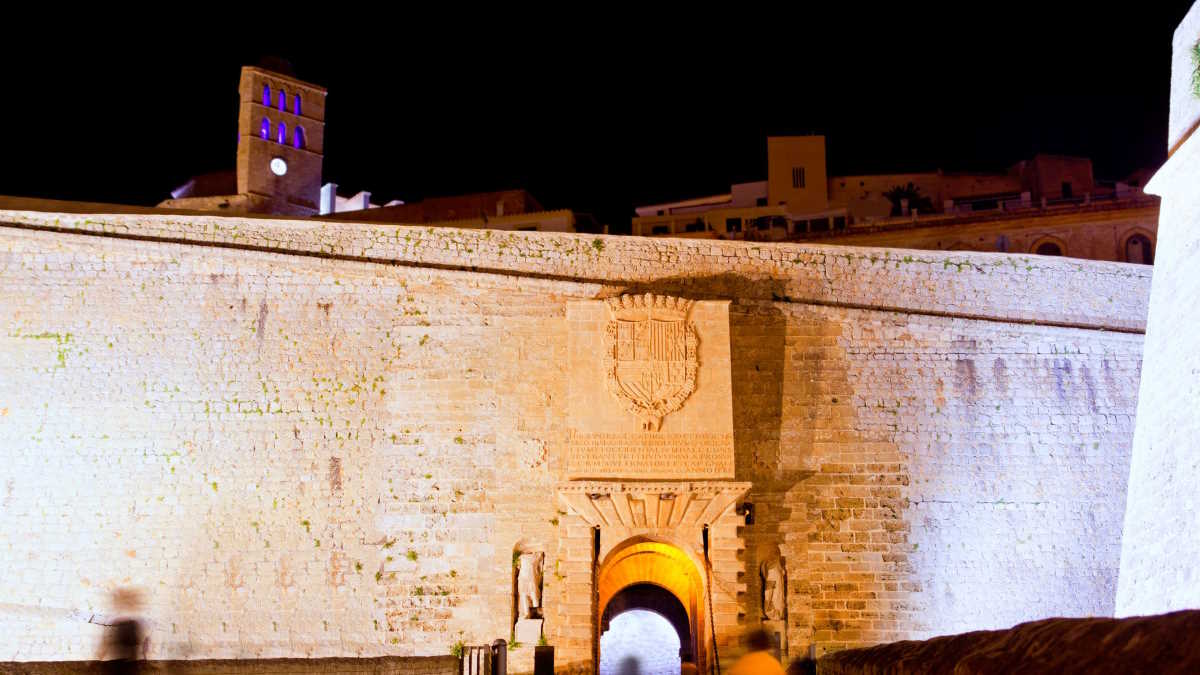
[{"x": 910, "y": 192}]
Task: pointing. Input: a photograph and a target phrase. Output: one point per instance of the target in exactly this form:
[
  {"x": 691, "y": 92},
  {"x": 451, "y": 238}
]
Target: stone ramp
[
  {"x": 385, "y": 665},
  {"x": 1165, "y": 643}
]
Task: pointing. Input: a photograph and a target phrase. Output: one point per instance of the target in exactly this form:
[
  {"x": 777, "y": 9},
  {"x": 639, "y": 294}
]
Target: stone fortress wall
[
  {"x": 1161, "y": 542},
  {"x": 321, "y": 439}
]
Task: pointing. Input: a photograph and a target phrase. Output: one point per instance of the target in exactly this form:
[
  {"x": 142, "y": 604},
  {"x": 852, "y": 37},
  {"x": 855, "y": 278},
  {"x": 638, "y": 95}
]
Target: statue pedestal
[
  {"x": 528, "y": 632},
  {"x": 520, "y": 660}
]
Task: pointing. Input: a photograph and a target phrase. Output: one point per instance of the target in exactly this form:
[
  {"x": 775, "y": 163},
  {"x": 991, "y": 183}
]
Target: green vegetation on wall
[{"x": 1196, "y": 70}]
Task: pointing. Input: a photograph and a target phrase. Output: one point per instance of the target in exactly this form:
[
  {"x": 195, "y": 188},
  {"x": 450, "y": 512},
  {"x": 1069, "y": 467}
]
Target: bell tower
[{"x": 281, "y": 142}]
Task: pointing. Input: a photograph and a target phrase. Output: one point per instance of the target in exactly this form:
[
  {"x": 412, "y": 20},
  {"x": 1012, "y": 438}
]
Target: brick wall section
[
  {"x": 432, "y": 665},
  {"x": 918, "y": 462},
  {"x": 303, "y": 456}
]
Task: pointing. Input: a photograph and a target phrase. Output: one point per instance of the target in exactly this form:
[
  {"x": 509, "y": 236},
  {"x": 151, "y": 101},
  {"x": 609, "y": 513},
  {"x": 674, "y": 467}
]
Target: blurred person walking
[
  {"x": 757, "y": 660},
  {"x": 125, "y": 643}
]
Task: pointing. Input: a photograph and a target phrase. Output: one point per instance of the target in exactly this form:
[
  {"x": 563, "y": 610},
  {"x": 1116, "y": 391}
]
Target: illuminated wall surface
[
  {"x": 646, "y": 638},
  {"x": 1159, "y": 563},
  {"x": 297, "y": 455}
]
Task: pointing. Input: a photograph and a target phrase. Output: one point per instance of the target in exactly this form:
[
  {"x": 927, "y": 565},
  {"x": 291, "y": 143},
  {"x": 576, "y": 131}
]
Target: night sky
[{"x": 602, "y": 113}]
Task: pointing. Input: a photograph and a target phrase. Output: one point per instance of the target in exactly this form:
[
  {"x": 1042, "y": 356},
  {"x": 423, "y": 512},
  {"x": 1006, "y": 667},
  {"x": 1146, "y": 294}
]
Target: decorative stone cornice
[
  {"x": 650, "y": 505},
  {"x": 641, "y": 306}
]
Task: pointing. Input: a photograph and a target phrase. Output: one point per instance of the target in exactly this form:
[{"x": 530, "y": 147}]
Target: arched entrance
[{"x": 644, "y": 575}]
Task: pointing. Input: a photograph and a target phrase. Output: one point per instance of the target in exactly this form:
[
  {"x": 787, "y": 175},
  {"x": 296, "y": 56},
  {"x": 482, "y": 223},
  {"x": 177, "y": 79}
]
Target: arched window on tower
[
  {"x": 282, "y": 133},
  {"x": 1138, "y": 249},
  {"x": 296, "y": 104},
  {"x": 265, "y": 131},
  {"x": 267, "y": 95},
  {"x": 298, "y": 139},
  {"x": 282, "y": 101}
]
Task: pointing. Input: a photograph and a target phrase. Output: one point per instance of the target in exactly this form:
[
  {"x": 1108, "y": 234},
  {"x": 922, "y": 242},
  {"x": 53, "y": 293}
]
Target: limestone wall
[
  {"x": 1159, "y": 571},
  {"x": 335, "y": 453},
  {"x": 997, "y": 286},
  {"x": 933, "y": 475}
]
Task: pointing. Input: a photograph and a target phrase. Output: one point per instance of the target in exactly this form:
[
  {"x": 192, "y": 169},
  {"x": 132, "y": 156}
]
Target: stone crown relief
[{"x": 650, "y": 360}]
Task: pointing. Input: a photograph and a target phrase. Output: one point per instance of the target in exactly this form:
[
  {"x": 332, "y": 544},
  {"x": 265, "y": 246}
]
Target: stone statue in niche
[
  {"x": 529, "y": 585},
  {"x": 774, "y": 580}
]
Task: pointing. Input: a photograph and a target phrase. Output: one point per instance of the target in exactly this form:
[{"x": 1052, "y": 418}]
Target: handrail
[{"x": 485, "y": 659}]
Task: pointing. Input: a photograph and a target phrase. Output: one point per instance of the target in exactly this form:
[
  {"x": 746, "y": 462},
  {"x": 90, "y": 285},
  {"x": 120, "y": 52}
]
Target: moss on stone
[{"x": 1196, "y": 70}]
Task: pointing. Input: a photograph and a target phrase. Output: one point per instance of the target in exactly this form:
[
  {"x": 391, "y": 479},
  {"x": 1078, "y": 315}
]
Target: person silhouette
[
  {"x": 757, "y": 660},
  {"x": 124, "y": 645},
  {"x": 629, "y": 666}
]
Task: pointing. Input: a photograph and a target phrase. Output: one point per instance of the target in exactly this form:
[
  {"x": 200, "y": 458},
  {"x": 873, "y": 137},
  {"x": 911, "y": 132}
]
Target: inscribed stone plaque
[{"x": 649, "y": 389}]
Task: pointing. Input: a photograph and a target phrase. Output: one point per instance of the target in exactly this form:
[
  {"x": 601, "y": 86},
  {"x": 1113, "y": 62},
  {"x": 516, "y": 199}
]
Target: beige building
[
  {"x": 1050, "y": 205},
  {"x": 515, "y": 210}
]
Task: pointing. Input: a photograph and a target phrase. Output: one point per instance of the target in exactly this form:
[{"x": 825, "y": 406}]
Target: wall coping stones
[{"x": 986, "y": 286}]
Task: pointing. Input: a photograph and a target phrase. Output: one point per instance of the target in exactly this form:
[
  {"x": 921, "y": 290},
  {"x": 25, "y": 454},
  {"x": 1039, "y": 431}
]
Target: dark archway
[
  {"x": 1049, "y": 248},
  {"x": 1139, "y": 249}
]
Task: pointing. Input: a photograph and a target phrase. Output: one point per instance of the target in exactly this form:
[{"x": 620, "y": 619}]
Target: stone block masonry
[
  {"x": 323, "y": 440},
  {"x": 978, "y": 285}
]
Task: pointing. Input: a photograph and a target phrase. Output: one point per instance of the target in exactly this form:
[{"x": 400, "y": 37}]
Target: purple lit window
[
  {"x": 296, "y": 104},
  {"x": 298, "y": 137},
  {"x": 282, "y": 133},
  {"x": 267, "y": 95},
  {"x": 265, "y": 132},
  {"x": 282, "y": 101}
]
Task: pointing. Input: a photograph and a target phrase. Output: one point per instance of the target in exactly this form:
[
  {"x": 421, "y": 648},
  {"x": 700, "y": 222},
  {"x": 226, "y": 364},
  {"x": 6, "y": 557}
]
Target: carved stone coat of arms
[{"x": 650, "y": 359}]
